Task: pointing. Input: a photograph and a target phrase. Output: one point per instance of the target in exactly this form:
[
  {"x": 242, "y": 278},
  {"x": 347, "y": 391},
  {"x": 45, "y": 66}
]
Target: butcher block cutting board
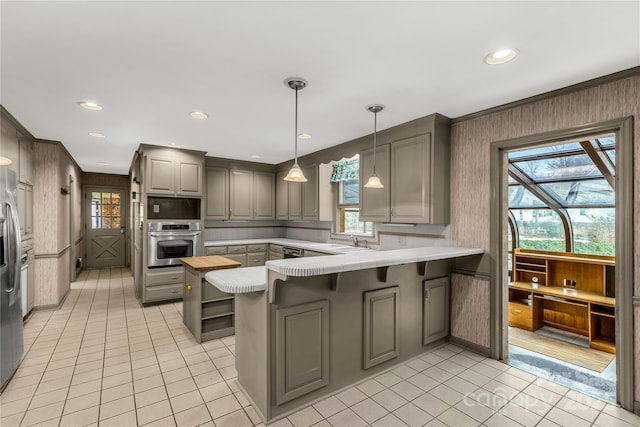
[{"x": 210, "y": 262}]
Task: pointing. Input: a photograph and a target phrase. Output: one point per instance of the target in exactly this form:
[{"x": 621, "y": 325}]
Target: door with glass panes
[{"x": 104, "y": 226}]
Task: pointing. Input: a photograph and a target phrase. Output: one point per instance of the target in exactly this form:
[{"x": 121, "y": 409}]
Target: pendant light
[
  {"x": 374, "y": 181},
  {"x": 295, "y": 173}
]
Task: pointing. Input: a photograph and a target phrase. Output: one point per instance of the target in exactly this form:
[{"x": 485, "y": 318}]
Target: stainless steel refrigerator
[{"x": 11, "y": 341}]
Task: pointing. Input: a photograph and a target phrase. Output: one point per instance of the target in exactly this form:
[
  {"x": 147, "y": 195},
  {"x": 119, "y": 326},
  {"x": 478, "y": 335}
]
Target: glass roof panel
[
  {"x": 559, "y": 168},
  {"x": 607, "y": 141},
  {"x": 611, "y": 154},
  {"x": 582, "y": 193},
  {"x": 554, "y": 149},
  {"x": 519, "y": 197}
]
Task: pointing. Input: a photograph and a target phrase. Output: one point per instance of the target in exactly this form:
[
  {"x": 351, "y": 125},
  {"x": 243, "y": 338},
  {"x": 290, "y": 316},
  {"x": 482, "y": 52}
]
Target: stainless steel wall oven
[{"x": 169, "y": 241}]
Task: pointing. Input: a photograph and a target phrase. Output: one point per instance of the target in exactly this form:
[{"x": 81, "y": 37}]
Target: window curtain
[{"x": 347, "y": 170}]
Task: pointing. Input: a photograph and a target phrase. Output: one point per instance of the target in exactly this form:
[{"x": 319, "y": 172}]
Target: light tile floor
[{"x": 102, "y": 359}]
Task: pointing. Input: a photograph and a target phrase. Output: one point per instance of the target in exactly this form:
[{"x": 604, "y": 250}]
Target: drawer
[
  {"x": 255, "y": 260},
  {"x": 216, "y": 250},
  {"x": 262, "y": 247},
  {"x": 237, "y": 249},
  {"x": 210, "y": 292},
  {"x": 275, "y": 248},
  {"x": 163, "y": 277},
  {"x": 241, "y": 258},
  {"x": 276, "y": 255},
  {"x": 520, "y": 316},
  {"x": 164, "y": 292}
]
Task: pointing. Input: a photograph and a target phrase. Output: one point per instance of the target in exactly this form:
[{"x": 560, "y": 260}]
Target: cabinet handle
[
  {"x": 188, "y": 287},
  {"x": 391, "y": 211},
  {"x": 175, "y": 278}
]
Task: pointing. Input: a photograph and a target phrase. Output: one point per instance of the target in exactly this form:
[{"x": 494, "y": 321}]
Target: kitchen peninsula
[{"x": 324, "y": 323}]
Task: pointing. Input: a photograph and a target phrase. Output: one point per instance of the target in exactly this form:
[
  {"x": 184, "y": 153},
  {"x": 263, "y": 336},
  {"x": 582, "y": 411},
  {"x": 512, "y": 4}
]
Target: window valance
[{"x": 346, "y": 170}]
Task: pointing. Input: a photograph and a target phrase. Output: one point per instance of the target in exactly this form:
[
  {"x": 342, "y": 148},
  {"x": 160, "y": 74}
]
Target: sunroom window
[{"x": 562, "y": 196}]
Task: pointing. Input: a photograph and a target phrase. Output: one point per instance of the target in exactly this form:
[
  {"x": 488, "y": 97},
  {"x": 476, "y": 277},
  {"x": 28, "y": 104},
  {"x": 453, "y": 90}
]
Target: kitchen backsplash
[{"x": 388, "y": 236}]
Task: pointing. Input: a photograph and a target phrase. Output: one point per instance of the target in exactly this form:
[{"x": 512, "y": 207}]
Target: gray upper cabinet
[
  {"x": 436, "y": 310},
  {"x": 300, "y": 200},
  {"x": 374, "y": 202},
  {"x": 217, "y": 202},
  {"x": 9, "y": 147},
  {"x": 172, "y": 172},
  {"x": 415, "y": 173},
  {"x": 264, "y": 204},
  {"x": 240, "y": 194},
  {"x": 302, "y": 349},
  {"x": 189, "y": 178},
  {"x": 295, "y": 200},
  {"x": 410, "y": 179},
  {"x": 160, "y": 179},
  {"x": 26, "y": 161},
  {"x": 310, "y": 198},
  {"x": 282, "y": 196}
]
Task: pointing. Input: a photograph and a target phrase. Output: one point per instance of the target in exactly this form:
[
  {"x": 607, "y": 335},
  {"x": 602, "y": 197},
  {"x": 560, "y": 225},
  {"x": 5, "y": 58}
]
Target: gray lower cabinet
[
  {"x": 208, "y": 312},
  {"x": 163, "y": 284},
  {"x": 436, "y": 310},
  {"x": 381, "y": 340},
  {"x": 252, "y": 255},
  {"x": 302, "y": 349}
]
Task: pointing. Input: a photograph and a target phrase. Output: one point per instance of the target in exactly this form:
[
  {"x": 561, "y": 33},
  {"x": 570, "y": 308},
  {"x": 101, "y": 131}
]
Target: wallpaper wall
[{"x": 470, "y": 209}]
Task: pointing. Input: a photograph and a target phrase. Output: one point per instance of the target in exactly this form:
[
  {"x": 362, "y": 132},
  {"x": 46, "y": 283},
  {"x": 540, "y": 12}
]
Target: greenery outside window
[{"x": 346, "y": 175}]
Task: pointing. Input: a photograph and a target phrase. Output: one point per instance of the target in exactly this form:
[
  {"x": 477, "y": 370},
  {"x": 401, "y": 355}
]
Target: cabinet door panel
[
  {"x": 28, "y": 228},
  {"x": 411, "y": 179},
  {"x": 381, "y": 330},
  {"x": 160, "y": 176},
  {"x": 374, "y": 202},
  {"x": 22, "y": 208},
  {"x": 10, "y": 147},
  {"x": 295, "y": 200},
  {"x": 436, "y": 310},
  {"x": 241, "y": 258},
  {"x": 302, "y": 349},
  {"x": 217, "y": 202},
  {"x": 26, "y": 161},
  {"x": 240, "y": 194},
  {"x": 282, "y": 196},
  {"x": 310, "y": 193},
  {"x": 264, "y": 195},
  {"x": 190, "y": 179}
]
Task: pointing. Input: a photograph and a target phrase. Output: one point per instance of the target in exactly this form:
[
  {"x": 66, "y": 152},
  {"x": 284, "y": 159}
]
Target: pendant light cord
[
  {"x": 375, "y": 126},
  {"x": 296, "y": 130}
]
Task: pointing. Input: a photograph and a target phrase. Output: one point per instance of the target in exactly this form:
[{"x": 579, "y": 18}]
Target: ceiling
[{"x": 151, "y": 63}]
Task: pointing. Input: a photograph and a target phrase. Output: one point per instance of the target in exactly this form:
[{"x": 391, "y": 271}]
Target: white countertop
[
  {"x": 315, "y": 266},
  {"x": 331, "y": 248},
  {"x": 346, "y": 258},
  {"x": 239, "y": 280}
]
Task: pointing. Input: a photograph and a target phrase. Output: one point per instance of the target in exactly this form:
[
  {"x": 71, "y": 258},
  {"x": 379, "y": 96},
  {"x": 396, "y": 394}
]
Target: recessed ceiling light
[
  {"x": 90, "y": 106},
  {"x": 255, "y": 156},
  {"x": 97, "y": 134},
  {"x": 304, "y": 136},
  {"x": 173, "y": 144},
  {"x": 104, "y": 163},
  {"x": 198, "y": 115},
  {"x": 501, "y": 56}
]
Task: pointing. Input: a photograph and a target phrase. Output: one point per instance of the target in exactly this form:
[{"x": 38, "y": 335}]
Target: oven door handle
[{"x": 173, "y": 234}]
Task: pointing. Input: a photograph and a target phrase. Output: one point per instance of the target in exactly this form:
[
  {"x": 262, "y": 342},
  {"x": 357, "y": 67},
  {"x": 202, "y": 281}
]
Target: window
[
  {"x": 345, "y": 174},
  {"x": 105, "y": 210}
]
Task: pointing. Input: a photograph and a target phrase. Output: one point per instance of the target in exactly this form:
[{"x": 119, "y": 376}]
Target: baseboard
[
  {"x": 476, "y": 348},
  {"x": 636, "y": 407},
  {"x": 52, "y": 306}
]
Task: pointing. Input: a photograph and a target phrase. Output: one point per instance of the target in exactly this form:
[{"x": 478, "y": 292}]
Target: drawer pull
[
  {"x": 175, "y": 278},
  {"x": 516, "y": 310}
]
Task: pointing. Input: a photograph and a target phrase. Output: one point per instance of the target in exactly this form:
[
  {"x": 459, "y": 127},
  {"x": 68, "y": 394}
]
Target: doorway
[
  {"x": 622, "y": 284},
  {"x": 561, "y": 263},
  {"x": 104, "y": 226}
]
